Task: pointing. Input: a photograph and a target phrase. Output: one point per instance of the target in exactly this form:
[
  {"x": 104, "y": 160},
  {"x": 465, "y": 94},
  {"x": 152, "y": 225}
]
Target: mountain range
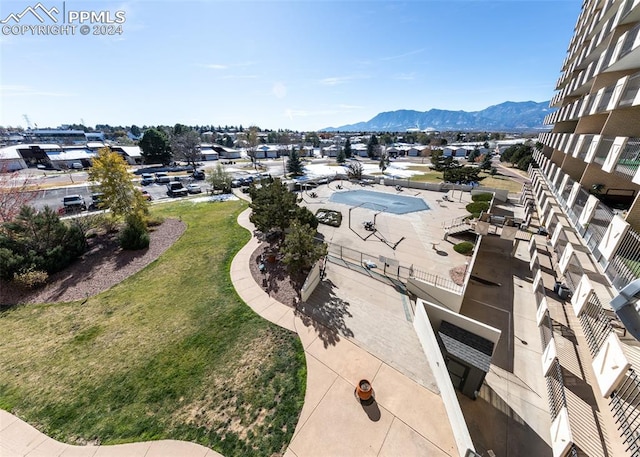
[{"x": 505, "y": 117}]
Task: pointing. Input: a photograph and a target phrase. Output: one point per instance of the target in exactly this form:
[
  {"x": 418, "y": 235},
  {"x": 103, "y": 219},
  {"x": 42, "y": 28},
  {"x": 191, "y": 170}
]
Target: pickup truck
[
  {"x": 176, "y": 189},
  {"x": 73, "y": 203}
]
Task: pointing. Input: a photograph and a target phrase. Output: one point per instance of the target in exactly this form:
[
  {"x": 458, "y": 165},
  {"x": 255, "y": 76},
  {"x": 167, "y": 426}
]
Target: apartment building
[{"x": 586, "y": 190}]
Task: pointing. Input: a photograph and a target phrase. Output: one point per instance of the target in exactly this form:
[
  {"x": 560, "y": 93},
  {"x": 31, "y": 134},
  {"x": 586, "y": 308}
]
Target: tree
[
  {"x": 355, "y": 170},
  {"x": 252, "y": 141},
  {"x": 519, "y": 155},
  {"x": 384, "y": 162},
  {"x": 300, "y": 250},
  {"x": 220, "y": 179},
  {"x": 347, "y": 149},
  {"x": 135, "y": 130},
  {"x": 186, "y": 146},
  {"x": 38, "y": 241},
  {"x": 155, "y": 147},
  {"x": 109, "y": 172},
  {"x": 341, "y": 158},
  {"x": 462, "y": 175},
  {"x": 372, "y": 147},
  {"x": 294, "y": 165},
  {"x": 272, "y": 206},
  {"x": 15, "y": 192}
]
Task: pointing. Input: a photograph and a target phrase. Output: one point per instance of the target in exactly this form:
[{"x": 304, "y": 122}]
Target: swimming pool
[{"x": 380, "y": 201}]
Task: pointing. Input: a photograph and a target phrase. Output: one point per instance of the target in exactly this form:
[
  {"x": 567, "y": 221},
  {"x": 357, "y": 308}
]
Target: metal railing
[
  {"x": 596, "y": 325},
  {"x": 625, "y": 403},
  {"x": 624, "y": 267}
]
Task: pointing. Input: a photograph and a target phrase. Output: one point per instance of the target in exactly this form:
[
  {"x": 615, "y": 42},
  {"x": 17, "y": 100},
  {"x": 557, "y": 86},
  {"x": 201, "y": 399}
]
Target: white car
[{"x": 194, "y": 189}]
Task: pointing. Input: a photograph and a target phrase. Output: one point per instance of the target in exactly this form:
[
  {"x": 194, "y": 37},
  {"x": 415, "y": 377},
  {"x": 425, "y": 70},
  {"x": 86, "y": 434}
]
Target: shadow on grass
[{"x": 327, "y": 313}]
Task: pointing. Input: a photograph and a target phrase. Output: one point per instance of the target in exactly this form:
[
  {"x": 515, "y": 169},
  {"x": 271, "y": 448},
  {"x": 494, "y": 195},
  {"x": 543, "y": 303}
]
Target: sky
[{"x": 301, "y": 65}]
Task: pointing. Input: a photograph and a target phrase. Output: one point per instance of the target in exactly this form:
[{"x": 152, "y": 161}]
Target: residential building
[{"x": 585, "y": 188}]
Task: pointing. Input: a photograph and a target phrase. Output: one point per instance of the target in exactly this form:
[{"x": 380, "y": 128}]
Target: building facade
[{"x": 585, "y": 188}]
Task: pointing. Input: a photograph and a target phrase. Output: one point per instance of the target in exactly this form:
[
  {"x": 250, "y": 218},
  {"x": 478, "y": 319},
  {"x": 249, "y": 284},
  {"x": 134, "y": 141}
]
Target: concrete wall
[
  {"x": 425, "y": 291},
  {"x": 313, "y": 279},
  {"x": 424, "y": 330}
]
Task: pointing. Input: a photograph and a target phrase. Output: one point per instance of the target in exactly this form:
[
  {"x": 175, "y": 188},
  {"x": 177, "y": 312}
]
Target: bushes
[
  {"x": 30, "y": 279},
  {"x": 134, "y": 235},
  {"x": 484, "y": 197},
  {"x": 38, "y": 241},
  {"x": 464, "y": 248},
  {"x": 475, "y": 208}
]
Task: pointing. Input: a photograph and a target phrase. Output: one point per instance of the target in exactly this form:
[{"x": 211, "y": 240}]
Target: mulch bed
[{"x": 275, "y": 280}]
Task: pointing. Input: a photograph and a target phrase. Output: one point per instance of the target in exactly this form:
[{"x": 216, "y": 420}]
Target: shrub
[
  {"x": 484, "y": 197},
  {"x": 464, "y": 248},
  {"x": 134, "y": 235},
  {"x": 38, "y": 240},
  {"x": 475, "y": 208},
  {"x": 31, "y": 279}
]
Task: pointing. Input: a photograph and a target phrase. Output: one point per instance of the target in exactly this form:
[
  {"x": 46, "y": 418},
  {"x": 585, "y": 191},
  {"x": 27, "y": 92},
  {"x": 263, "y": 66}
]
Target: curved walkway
[{"x": 406, "y": 418}]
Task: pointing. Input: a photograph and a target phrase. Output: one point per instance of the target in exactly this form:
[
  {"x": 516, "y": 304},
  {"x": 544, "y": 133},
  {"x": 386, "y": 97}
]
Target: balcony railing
[
  {"x": 603, "y": 150},
  {"x": 629, "y": 160}
]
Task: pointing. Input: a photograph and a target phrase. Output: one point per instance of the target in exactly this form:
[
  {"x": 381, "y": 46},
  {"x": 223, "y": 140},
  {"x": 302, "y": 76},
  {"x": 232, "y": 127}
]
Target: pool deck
[{"x": 423, "y": 245}]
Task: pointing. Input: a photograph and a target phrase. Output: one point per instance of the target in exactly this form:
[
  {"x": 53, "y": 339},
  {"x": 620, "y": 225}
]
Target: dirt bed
[{"x": 101, "y": 267}]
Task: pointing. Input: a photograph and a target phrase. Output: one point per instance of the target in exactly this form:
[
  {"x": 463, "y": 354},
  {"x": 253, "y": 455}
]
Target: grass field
[
  {"x": 497, "y": 181},
  {"x": 171, "y": 352}
]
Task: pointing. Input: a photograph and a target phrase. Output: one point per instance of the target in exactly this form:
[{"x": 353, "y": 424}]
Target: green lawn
[{"x": 172, "y": 352}]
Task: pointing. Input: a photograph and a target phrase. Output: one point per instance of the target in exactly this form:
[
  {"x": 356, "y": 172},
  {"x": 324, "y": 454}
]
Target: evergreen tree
[
  {"x": 294, "y": 166},
  {"x": 300, "y": 250},
  {"x": 372, "y": 147},
  {"x": 347, "y": 149},
  {"x": 341, "y": 158},
  {"x": 155, "y": 147}
]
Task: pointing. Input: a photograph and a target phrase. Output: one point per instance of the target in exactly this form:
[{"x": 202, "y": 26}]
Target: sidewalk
[{"x": 406, "y": 419}]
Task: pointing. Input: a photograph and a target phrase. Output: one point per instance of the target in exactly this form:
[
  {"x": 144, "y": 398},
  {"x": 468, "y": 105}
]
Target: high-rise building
[{"x": 586, "y": 190}]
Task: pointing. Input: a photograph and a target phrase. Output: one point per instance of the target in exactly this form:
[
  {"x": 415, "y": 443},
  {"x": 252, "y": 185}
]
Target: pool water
[{"x": 380, "y": 201}]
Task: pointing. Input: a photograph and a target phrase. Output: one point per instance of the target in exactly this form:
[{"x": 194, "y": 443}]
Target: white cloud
[
  {"x": 405, "y": 54},
  {"x": 216, "y": 66},
  {"x": 279, "y": 90},
  {"x": 334, "y": 81},
  {"x": 27, "y": 91},
  {"x": 405, "y": 76}
]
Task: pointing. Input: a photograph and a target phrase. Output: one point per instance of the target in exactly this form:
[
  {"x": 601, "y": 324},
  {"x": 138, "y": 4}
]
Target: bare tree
[
  {"x": 16, "y": 190},
  {"x": 186, "y": 147}
]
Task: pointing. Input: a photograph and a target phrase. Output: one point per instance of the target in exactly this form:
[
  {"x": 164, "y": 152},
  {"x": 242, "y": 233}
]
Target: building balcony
[{"x": 625, "y": 54}]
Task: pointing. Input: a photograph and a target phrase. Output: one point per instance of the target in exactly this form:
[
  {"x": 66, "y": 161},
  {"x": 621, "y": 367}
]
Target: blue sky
[{"x": 301, "y": 65}]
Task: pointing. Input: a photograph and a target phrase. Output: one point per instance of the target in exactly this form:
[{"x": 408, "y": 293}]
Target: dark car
[
  {"x": 147, "y": 178},
  {"x": 176, "y": 189},
  {"x": 198, "y": 174},
  {"x": 96, "y": 199}
]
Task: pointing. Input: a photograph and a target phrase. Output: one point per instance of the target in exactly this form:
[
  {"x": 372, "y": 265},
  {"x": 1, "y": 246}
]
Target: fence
[{"x": 392, "y": 270}]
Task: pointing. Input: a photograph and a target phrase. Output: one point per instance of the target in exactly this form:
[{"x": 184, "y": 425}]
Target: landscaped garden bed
[{"x": 329, "y": 217}]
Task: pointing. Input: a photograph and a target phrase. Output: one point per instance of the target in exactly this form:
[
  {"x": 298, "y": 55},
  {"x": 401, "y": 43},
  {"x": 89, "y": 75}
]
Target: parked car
[
  {"x": 96, "y": 199},
  {"x": 147, "y": 178},
  {"x": 73, "y": 203},
  {"x": 162, "y": 178},
  {"x": 176, "y": 189},
  {"x": 236, "y": 183},
  {"x": 198, "y": 174},
  {"x": 77, "y": 166},
  {"x": 194, "y": 189},
  {"x": 146, "y": 195}
]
